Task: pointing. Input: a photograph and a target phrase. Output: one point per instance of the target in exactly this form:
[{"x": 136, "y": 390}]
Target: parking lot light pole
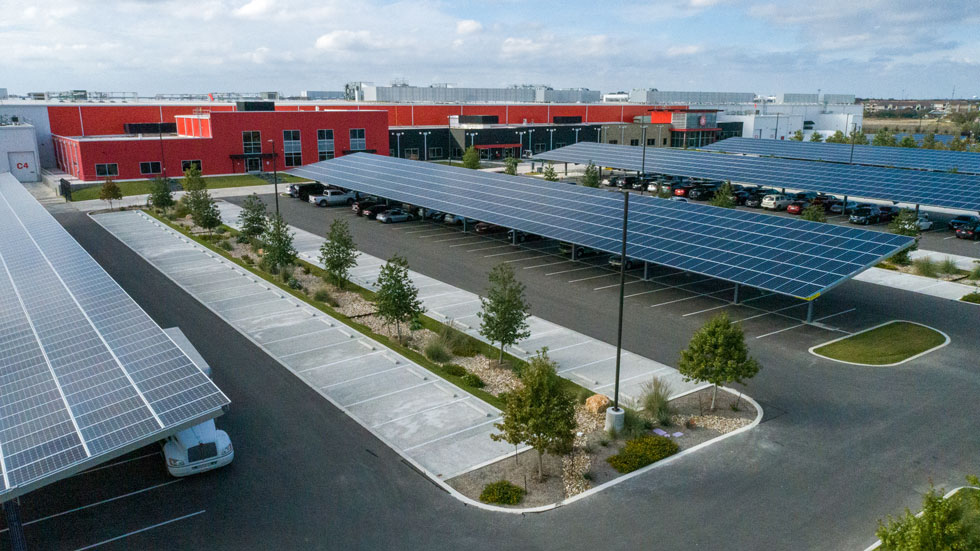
[
  {"x": 275, "y": 175},
  {"x": 643, "y": 162},
  {"x": 551, "y": 138},
  {"x": 615, "y": 416},
  {"x": 521, "y": 134},
  {"x": 577, "y": 130},
  {"x": 398, "y": 146},
  {"x": 425, "y": 144}
]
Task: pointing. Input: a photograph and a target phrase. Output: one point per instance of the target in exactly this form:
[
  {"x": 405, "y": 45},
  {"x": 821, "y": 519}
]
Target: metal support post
[
  {"x": 574, "y": 246},
  {"x": 646, "y": 271},
  {"x": 917, "y": 210},
  {"x": 513, "y": 236},
  {"x": 809, "y": 311},
  {"x": 464, "y": 224},
  {"x": 643, "y": 163},
  {"x": 735, "y": 298},
  {"x": 615, "y": 415},
  {"x": 14, "y": 527},
  {"x": 566, "y": 169},
  {"x": 843, "y": 207}
]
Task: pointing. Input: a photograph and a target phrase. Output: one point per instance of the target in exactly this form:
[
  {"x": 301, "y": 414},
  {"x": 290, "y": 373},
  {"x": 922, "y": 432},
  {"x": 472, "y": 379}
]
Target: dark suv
[{"x": 303, "y": 191}]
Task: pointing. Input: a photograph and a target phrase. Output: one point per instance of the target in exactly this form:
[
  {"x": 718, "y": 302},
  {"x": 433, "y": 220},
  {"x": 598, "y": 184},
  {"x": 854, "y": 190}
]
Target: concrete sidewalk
[
  {"x": 962, "y": 262},
  {"x": 580, "y": 358},
  {"x": 438, "y": 426},
  {"x": 917, "y": 284},
  {"x": 140, "y": 200}
]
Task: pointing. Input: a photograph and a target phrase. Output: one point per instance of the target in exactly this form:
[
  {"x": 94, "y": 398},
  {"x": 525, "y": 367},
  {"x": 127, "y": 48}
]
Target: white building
[
  {"x": 18, "y": 152},
  {"x": 445, "y": 93}
]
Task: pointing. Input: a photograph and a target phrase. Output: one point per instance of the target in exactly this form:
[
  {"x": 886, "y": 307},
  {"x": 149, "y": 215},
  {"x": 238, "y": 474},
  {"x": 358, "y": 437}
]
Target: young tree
[
  {"x": 908, "y": 141},
  {"x": 816, "y": 137},
  {"x": 797, "y": 136},
  {"x": 252, "y": 218},
  {"x": 717, "y": 354},
  {"x": 110, "y": 192},
  {"x": 540, "y": 414},
  {"x": 906, "y": 223},
  {"x": 857, "y": 137},
  {"x": 511, "y": 167},
  {"x": 204, "y": 211},
  {"x": 279, "y": 250},
  {"x": 929, "y": 141},
  {"x": 550, "y": 173},
  {"x": 959, "y": 144},
  {"x": 591, "y": 177},
  {"x": 338, "y": 254},
  {"x": 192, "y": 179},
  {"x": 837, "y": 137},
  {"x": 723, "y": 197},
  {"x": 945, "y": 523},
  {"x": 814, "y": 213},
  {"x": 471, "y": 158},
  {"x": 884, "y": 138},
  {"x": 397, "y": 298},
  {"x": 160, "y": 195},
  {"x": 503, "y": 318}
]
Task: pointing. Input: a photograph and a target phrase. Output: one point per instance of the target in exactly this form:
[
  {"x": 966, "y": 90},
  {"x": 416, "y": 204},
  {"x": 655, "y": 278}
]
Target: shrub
[
  {"x": 582, "y": 395},
  {"x": 634, "y": 424},
  {"x": 925, "y": 267},
  {"x": 454, "y": 370},
  {"x": 294, "y": 283},
  {"x": 642, "y": 451},
  {"x": 656, "y": 400},
  {"x": 502, "y": 492},
  {"x": 436, "y": 352},
  {"x": 226, "y": 245},
  {"x": 948, "y": 266},
  {"x": 471, "y": 379},
  {"x": 458, "y": 342},
  {"x": 974, "y": 273},
  {"x": 287, "y": 272},
  {"x": 321, "y": 295},
  {"x": 220, "y": 230},
  {"x": 306, "y": 269},
  {"x": 247, "y": 259},
  {"x": 973, "y": 297}
]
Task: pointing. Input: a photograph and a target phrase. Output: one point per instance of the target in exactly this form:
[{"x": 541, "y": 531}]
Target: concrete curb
[
  {"x": 812, "y": 349},
  {"x": 948, "y": 495}
]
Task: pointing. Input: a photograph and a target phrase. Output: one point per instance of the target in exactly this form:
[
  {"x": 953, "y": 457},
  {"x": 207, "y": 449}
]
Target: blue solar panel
[
  {"x": 914, "y": 187},
  {"x": 787, "y": 256},
  {"x": 85, "y": 374},
  {"x": 925, "y": 159}
]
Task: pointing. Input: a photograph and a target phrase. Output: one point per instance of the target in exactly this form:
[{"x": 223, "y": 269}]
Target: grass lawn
[
  {"x": 141, "y": 187},
  {"x": 887, "y": 344},
  {"x": 973, "y": 297}
]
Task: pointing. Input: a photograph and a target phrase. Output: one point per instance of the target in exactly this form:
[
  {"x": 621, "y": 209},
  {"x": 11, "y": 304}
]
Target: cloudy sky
[{"x": 872, "y": 48}]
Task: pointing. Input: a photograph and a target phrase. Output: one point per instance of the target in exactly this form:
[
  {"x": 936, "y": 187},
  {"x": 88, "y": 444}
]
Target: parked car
[
  {"x": 679, "y": 199},
  {"x": 963, "y": 220},
  {"x": 754, "y": 200},
  {"x": 565, "y": 247},
  {"x": 703, "y": 193},
  {"x": 625, "y": 181},
  {"x": 373, "y": 211},
  {"x": 797, "y": 207},
  {"x": 358, "y": 207},
  {"x": 522, "y": 237},
  {"x": 303, "y": 191},
  {"x": 888, "y": 212},
  {"x": 395, "y": 215},
  {"x": 838, "y": 207},
  {"x": 681, "y": 190},
  {"x": 433, "y": 215},
  {"x": 486, "y": 227},
  {"x": 776, "y": 201},
  {"x": 614, "y": 262},
  {"x": 865, "y": 215},
  {"x": 332, "y": 197},
  {"x": 924, "y": 222},
  {"x": 456, "y": 220},
  {"x": 969, "y": 232}
]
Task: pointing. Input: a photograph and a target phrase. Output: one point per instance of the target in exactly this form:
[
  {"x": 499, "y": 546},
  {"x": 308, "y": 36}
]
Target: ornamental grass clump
[{"x": 642, "y": 451}]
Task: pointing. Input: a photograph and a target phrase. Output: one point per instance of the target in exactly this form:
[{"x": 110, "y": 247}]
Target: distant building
[
  {"x": 321, "y": 95},
  {"x": 654, "y": 96},
  {"x": 832, "y": 99},
  {"x": 3, "y": 93},
  {"x": 616, "y": 97},
  {"x": 444, "y": 93}
]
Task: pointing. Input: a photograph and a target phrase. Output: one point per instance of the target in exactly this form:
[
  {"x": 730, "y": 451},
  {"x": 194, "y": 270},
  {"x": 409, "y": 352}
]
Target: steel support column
[
  {"x": 809, "y": 311},
  {"x": 646, "y": 271},
  {"x": 15, "y": 529},
  {"x": 735, "y": 298},
  {"x": 622, "y": 291}
]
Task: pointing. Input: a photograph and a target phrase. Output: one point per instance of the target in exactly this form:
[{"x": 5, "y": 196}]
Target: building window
[
  {"x": 560, "y": 144},
  {"x": 357, "y": 141},
  {"x": 539, "y": 147},
  {"x": 152, "y": 167},
  {"x": 435, "y": 152},
  {"x": 251, "y": 142},
  {"x": 651, "y": 141},
  {"x": 634, "y": 142},
  {"x": 324, "y": 144},
  {"x": 292, "y": 148},
  {"x": 184, "y": 165},
  {"x": 613, "y": 142},
  {"x": 106, "y": 170},
  {"x": 411, "y": 153},
  {"x": 665, "y": 142}
]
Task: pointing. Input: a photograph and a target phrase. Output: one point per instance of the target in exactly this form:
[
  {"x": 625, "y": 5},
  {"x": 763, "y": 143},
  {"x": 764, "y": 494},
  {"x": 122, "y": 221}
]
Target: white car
[
  {"x": 395, "y": 215},
  {"x": 776, "y": 201},
  {"x": 455, "y": 220},
  {"x": 332, "y": 197},
  {"x": 924, "y": 223}
]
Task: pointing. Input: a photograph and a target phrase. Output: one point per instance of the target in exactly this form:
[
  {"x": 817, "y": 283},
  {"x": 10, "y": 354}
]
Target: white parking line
[
  {"x": 767, "y": 313},
  {"x": 781, "y": 330},
  {"x": 449, "y": 435},
  {"x": 503, "y": 254},
  {"x": 488, "y": 248},
  {"x": 331, "y": 345},
  {"x": 524, "y": 259},
  {"x": 458, "y": 238},
  {"x": 341, "y": 361},
  {"x": 545, "y": 265},
  {"x": 705, "y": 295},
  {"x": 567, "y": 369},
  {"x": 134, "y": 532},
  {"x": 837, "y": 314},
  {"x": 424, "y": 230},
  {"x": 616, "y": 285},
  {"x": 124, "y": 461},
  {"x": 572, "y": 270},
  {"x": 588, "y": 278}
]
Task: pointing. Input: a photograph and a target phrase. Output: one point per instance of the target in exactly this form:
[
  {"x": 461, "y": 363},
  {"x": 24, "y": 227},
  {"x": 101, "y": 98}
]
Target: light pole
[
  {"x": 853, "y": 132},
  {"x": 449, "y": 138},
  {"x": 398, "y": 147},
  {"x": 425, "y": 144},
  {"x": 576, "y": 134},
  {"x": 530, "y": 146},
  {"x": 275, "y": 175},
  {"x": 551, "y": 138},
  {"x": 622, "y": 134},
  {"x": 615, "y": 416},
  {"x": 598, "y": 134},
  {"x": 521, "y": 134},
  {"x": 472, "y": 136},
  {"x": 643, "y": 162},
  {"x": 776, "y": 132}
]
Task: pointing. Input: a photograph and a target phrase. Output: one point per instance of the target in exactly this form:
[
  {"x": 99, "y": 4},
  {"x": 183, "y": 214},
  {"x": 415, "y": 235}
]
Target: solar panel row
[
  {"x": 84, "y": 372},
  {"x": 925, "y": 159},
  {"x": 938, "y": 189},
  {"x": 787, "y": 256}
]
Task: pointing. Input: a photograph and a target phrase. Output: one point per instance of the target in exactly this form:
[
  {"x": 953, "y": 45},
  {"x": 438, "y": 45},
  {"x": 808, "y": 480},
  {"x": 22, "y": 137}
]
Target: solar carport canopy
[
  {"x": 787, "y": 256},
  {"x": 937, "y": 189},
  {"x": 872, "y": 155},
  {"x": 85, "y": 374}
]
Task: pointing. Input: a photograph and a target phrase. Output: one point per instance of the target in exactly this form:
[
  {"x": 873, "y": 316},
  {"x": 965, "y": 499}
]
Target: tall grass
[
  {"x": 948, "y": 266},
  {"x": 656, "y": 400},
  {"x": 925, "y": 267}
]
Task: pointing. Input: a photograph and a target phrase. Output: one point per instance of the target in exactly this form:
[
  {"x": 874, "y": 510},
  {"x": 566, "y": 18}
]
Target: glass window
[
  {"x": 435, "y": 152},
  {"x": 651, "y": 141},
  {"x": 184, "y": 165},
  {"x": 357, "y": 141},
  {"x": 324, "y": 144},
  {"x": 539, "y": 147},
  {"x": 152, "y": 167},
  {"x": 292, "y": 148},
  {"x": 412, "y": 153},
  {"x": 105, "y": 170},
  {"x": 614, "y": 141},
  {"x": 251, "y": 142},
  {"x": 560, "y": 144},
  {"x": 634, "y": 142}
]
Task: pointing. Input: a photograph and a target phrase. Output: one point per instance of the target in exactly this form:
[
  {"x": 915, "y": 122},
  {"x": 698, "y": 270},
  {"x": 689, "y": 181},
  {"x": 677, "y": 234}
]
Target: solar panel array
[
  {"x": 787, "y": 256},
  {"x": 915, "y": 187},
  {"x": 85, "y": 374},
  {"x": 926, "y": 159}
]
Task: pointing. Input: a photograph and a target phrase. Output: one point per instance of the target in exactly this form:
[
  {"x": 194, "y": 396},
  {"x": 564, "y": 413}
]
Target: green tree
[
  {"x": 160, "y": 195},
  {"x": 908, "y": 141},
  {"x": 110, "y": 192},
  {"x": 252, "y": 218},
  {"x": 397, "y": 298},
  {"x": 797, "y": 136},
  {"x": 338, "y": 254},
  {"x": 540, "y": 414},
  {"x": 857, "y": 137},
  {"x": 550, "y": 173},
  {"x": 884, "y": 138},
  {"x": 814, "y": 213},
  {"x": 717, "y": 354},
  {"x": 471, "y": 158},
  {"x": 279, "y": 249},
  {"x": 591, "y": 177},
  {"x": 837, "y": 137},
  {"x": 503, "y": 318},
  {"x": 948, "y": 524},
  {"x": 816, "y": 137},
  {"x": 511, "y": 165},
  {"x": 192, "y": 179},
  {"x": 723, "y": 197},
  {"x": 204, "y": 211},
  {"x": 958, "y": 144},
  {"x": 929, "y": 141},
  {"x": 905, "y": 223}
]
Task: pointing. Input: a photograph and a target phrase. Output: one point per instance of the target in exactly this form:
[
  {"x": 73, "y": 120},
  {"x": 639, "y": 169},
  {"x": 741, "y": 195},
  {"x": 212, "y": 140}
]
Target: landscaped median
[
  {"x": 144, "y": 187},
  {"x": 889, "y": 344}
]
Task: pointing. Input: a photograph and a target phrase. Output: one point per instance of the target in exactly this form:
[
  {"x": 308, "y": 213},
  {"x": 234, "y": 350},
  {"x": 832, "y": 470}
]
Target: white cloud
[
  {"x": 518, "y": 47},
  {"x": 468, "y": 26},
  {"x": 255, "y": 8},
  {"x": 340, "y": 41},
  {"x": 675, "y": 51}
]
